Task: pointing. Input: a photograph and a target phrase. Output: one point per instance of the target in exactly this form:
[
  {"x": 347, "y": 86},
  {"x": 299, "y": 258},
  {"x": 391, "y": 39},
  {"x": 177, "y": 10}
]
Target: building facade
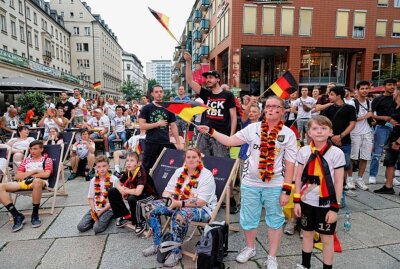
[
  {"x": 160, "y": 70},
  {"x": 253, "y": 42},
  {"x": 96, "y": 54},
  {"x": 132, "y": 70}
]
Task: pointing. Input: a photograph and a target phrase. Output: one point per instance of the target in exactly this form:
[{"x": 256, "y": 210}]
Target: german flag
[
  {"x": 284, "y": 86},
  {"x": 97, "y": 85},
  {"x": 139, "y": 149},
  {"x": 184, "y": 109},
  {"x": 164, "y": 20}
]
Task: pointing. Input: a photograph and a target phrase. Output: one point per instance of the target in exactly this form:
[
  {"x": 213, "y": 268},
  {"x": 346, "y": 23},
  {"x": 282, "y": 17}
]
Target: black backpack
[
  {"x": 213, "y": 246},
  {"x": 370, "y": 120}
]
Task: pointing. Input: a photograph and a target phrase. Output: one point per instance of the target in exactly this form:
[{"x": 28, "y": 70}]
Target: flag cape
[
  {"x": 184, "y": 109},
  {"x": 282, "y": 84},
  {"x": 337, "y": 246},
  {"x": 164, "y": 20},
  {"x": 97, "y": 84}
]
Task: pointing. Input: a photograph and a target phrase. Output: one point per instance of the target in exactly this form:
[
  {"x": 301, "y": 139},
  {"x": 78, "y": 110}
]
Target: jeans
[
  {"x": 211, "y": 147},
  {"x": 381, "y": 136},
  {"x": 346, "y": 148},
  {"x": 302, "y": 126},
  {"x": 122, "y": 136},
  {"x": 99, "y": 226}
]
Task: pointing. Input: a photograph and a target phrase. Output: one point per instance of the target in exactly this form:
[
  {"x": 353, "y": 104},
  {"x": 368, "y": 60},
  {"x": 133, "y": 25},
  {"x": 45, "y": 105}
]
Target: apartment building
[
  {"x": 161, "y": 71},
  {"x": 133, "y": 70}
]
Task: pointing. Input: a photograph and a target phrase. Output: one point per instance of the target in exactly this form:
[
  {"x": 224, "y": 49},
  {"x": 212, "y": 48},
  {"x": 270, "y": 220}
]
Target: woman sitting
[
  {"x": 54, "y": 137},
  {"x": 5, "y": 132},
  {"x": 191, "y": 191},
  {"x": 82, "y": 155},
  {"x": 19, "y": 145}
]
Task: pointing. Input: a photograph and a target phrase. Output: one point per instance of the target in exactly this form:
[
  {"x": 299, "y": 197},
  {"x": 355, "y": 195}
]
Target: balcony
[
  {"x": 196, "y": 58},
  {"x": 196, "y": 36},
  {"x": 204, "y": 51},
  {"x": 204, "y": 25},
  {"x": 197, "y": 15},
  {"x": 47, "y": 56},
  {"x": 204, "y": 4}
]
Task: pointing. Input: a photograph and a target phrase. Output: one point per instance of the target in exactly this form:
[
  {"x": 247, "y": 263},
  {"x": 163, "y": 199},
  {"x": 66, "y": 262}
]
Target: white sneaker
[
  {"x": 350, "y": 184},
  {"x": 397, "y": 173},
  {"x": 246, "y": 254},
  {"x": 108, "y": 155},
  {"x": 360, "y": 183},
  {"x": 350, "y": 193},
  {"x": 271, "y": 263},
  {"x": 372, "y": 180},
  {"x": 396, "y": 182},
  {"x": 289, "y": 228},
  {"x": 299, "y": 266}
]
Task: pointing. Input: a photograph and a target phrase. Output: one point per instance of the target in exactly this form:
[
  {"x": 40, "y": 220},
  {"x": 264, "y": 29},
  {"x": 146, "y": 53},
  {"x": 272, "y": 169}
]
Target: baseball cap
[
  {"x": 211, "y": 73},
  {"x": 98, "y": 110}
]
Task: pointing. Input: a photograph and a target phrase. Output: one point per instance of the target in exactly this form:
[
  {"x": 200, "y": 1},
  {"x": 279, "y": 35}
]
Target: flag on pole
[
  {"x": 97, "y": 85},
  {"x": 284, "y": 86},
  {"x": 184, "y": 109},
  {"x": 164, "y": 20},
  {"x": 293, "y": 127}
]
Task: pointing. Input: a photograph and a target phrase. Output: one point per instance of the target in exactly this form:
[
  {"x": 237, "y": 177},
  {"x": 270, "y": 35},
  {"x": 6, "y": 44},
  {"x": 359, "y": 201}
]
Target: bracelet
[
  {"x": 183, "y": 203},
  {"x": 287, "y": 188},
  {"x": 334, "y": 207},
  {"x": 211, "y": 132},
  {"x": 296, "y": 198}
]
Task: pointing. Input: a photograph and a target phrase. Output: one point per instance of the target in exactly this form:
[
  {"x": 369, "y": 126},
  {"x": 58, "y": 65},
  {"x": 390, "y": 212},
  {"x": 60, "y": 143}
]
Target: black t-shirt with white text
[
  {"x": 341, "y": 116},
  {"x": 383, "y": 106},
  {"x": 219, "y": 119},
  {"x": 67, "y": 107},
  {"x": 152, "y": 113}
]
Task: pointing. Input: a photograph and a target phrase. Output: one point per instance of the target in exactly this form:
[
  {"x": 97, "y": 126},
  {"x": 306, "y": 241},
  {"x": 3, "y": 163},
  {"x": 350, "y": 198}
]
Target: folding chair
[
  {"x": 5, "y": 175},
  {"x": 56, "y": 181},
  {"x": 68, "y": 138},
  {"x": 34, "y": 134}
]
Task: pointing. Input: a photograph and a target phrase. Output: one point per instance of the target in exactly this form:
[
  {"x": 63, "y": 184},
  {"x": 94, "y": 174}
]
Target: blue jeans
[
  {"x": 122, "y": 136},
  {"x": 381, "y": 136},
  {"x": 346, "y": 148}
]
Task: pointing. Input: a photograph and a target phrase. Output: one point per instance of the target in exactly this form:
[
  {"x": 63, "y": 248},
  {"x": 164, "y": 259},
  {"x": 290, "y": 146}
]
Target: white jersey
[
  {"x": 78, "y": 104},
  {"x": 119, "y": 123},
  {"x": 285, "y": 150},
  {"x": 100, "y": 124},
  {"x": 49, "y": 123},
  {"x": 113, "y": 180},
  {"x": 309, "y": 101}
]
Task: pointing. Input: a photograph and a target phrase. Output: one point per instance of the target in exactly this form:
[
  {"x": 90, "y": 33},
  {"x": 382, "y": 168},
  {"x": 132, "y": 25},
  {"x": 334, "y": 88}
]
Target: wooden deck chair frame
[
  {"x": 67, "y": 145},
  {"x": 54, "y": 190},
  {"x": 5, "y": 175}
]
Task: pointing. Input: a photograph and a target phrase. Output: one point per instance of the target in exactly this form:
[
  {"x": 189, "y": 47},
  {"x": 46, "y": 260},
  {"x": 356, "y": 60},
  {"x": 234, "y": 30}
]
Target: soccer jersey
[
  {"x": 91, "y": 194},
  {"x": 82, "y": 150},
  {"x": 78, "y": 105},
  {"x": 119, "y": 123},
  {"x": 100, "y": 124},
  {"x": 29, "y": 164},
  {"x": 309, "y": 101}
]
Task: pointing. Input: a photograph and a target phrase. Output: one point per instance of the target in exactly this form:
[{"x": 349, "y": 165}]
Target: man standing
[
  {"x": 79, "y": 106},
  {"x": 48, "y": 103},
  {"x": 66, "y": 105},
  {"x": 156, "y": 120},
  {"x": 110, "y": 108},
  {"x": 182, "y": 125},
  {"x": 30, "y": 115},
  {"x": 303, "y": 105}
]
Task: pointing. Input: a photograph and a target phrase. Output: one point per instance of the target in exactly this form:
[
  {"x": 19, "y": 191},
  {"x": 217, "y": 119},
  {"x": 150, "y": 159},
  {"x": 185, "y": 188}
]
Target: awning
[{"x": 23, "y": 84}]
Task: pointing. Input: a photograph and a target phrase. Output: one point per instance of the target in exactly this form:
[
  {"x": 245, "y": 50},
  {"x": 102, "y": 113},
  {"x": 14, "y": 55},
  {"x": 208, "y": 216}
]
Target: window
[
  {"x": 13, "y": 29},
  {"x": 12, "y": 3},
  {"x": 28, "y": 13},
  {"x": 52, "y": 30},
  {"x": 129, "y": 77},
  {"x": 5, "y": 48},
  {"x": 57, "y": 53},
  {"x": 287, "y": 20},
  {"x": 268, "y": 27},
  {"x": 3, "y": 23},
  {"x": 62, "y": 14},
  {"x": 22, "y": 33},
  {"x": 23, "y": 55},
  {"x": 76, "y": 30},
  {"x": 305, "y": 21},
  {"x": 56, "y": 34},
  {"x": 85, "y": 47},
  {"x": 20, "y": 8},
  {"x": 78, "y": 46},
  {"x": 381, "y": 28},
  {"x": 34, "y": 18},
  {"x": 71, "y": 14},
  {"x": 61, "y": 54},
  {"x": 359, "y": 24},
  {"x": 80, "y": 14},
  {"x": 396, "y": 29},
  {"x": 249, "y": 19},
  {"x": 15, "y": 51},
  {"x": 342, "y": 22},
  {"x": 128, "y": 66},
  {"x": 383, "y": 3},
  {"x": 87, "y": 31},
  {"x": 29, "y": 37},
  {"x": 36, "y": 40},
  {"x": 396, "y": 3}
]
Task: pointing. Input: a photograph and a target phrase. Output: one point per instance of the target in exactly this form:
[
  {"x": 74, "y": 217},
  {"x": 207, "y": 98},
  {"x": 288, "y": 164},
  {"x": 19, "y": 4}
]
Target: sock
[
  {"x": 117, "y": 168},
  {"x": 306, "y": 259},
  {"x": 11, "y": 208},
  {"x": 325, "y": 266},
  {"x": 35, "y": 210}
]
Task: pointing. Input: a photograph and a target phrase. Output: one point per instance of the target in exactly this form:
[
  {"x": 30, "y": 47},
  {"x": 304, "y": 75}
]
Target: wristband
[
  {"x": 334, "y": 207},
  {"x": 287, "y": 188},
  {"x": 296, "y": 198},
  {"x": 211, "y": 132},
  {"x": 183, "y": 203}
]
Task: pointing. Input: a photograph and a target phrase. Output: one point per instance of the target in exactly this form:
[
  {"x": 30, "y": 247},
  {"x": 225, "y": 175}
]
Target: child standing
[
  {"x": 319, "y": 186},
  {"x": 99, "y": 216}
]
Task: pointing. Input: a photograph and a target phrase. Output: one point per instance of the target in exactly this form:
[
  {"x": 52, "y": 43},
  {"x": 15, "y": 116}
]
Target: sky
[{"x": 138, "y": 31}]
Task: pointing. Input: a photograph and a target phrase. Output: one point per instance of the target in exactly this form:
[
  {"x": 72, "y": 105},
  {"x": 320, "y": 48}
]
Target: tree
[
  {"x": 150, "y": 84},
  {"x": 36, "y": 98},
  {"x": 131, "y": 90}
]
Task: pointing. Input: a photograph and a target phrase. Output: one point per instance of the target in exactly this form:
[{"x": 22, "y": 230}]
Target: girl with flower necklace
[
  {"x": 191, "y": 191},
  {"x": 267, "y": 176},
  {"x": 100, "y": 215}
]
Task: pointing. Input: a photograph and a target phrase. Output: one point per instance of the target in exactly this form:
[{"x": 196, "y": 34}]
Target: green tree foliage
[
  {"x": 36, "y": 98},
  {"x": 131, "y": 90},
  {"x": 151, "y": 83}
]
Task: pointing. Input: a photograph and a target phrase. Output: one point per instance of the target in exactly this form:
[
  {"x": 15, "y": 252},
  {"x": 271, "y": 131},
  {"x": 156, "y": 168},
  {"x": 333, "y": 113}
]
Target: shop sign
[
  {"x": 9, "y": 57},
  {"x": 44, "y": 69}
]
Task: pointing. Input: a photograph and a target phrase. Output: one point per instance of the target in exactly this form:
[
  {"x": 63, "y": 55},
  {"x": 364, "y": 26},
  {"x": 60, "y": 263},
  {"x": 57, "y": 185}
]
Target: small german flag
[
  {"x": 164, "y": 20},
  {"x": 139, "y": 149},
  {"x": 284, "y": 86},
  {"x": 184, "y": 109},
  {"x": 97, "y": 85}
]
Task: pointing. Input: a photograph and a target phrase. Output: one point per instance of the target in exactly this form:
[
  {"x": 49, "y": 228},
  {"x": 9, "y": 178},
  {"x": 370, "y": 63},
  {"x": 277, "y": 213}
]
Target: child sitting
[
  {"x": 99, "y": 216},
  {"x": 319, "y": 185},
  {"x": 134, "y": 187}
]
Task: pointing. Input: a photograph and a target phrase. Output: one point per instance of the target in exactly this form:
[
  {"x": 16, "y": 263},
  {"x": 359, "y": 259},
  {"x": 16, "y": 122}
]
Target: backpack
[
  {"x": 370, "y": 120},
  {"x": 213, "y": 246}
]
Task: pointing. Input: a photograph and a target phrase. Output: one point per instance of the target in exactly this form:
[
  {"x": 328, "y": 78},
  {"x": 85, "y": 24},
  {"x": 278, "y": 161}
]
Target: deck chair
[
  {"x": 56, "y": 180},
  {"x": 34, "y": 134},
  {"x": 5, "y": 175},
  {"x": 68, "y": 138}
]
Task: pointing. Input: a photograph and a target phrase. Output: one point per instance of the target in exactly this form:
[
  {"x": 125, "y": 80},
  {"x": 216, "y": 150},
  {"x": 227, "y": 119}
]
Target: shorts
[
  {"x": 361, "y": 146},
  {"x": 253, "y": 199},
  {"x": 78, "y": 119},
  {"x": 313, "y": 219},
  {"x": 24, "y": 186},
  {"x": 97, "y": 136},
  {"x": 391, "y": 156}
]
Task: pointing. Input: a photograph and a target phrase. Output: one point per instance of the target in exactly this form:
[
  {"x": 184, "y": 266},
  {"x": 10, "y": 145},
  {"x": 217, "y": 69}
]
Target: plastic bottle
[{"x": 347, "y": 222}]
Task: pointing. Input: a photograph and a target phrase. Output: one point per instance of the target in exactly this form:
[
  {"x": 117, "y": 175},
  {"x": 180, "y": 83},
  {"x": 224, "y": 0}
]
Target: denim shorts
[{"x": 253, "y": 200}]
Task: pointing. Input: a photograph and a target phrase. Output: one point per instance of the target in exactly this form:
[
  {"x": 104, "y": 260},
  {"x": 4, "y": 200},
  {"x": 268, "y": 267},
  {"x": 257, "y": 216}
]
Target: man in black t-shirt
[
  {"x": 155, "y": 120},
  {"x": 66, "y": 105}
]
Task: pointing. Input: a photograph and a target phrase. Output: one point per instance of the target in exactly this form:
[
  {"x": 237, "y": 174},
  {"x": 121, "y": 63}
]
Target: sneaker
[
  {"x": 397, "y": 173},
  {"x": 19, "y": 221},
  {"x": 152, "y": 250},
  {"x": 350, "y": 193},
  {"x": 72, "y": 176},
  {"x": 385, "y": 190},
  {"x": 289, "y": 228},
  {"x": 350, "y": 184},
  {"x": 360, "y": 184},
  {"x": 372, "y": 180},
  {"x": 140, "y": 227},
  {"x": 233, "y": 206},
  {"x": 396, "y": 182},
  {"x": 299, "y": 266},
  {"x": 246, "y": 254},
  {"x": 121, "y": 222},
  {"x": 173, "y": 259},
  {"x": 35, "y": 220},
  {"x": 271, "y": 263}
]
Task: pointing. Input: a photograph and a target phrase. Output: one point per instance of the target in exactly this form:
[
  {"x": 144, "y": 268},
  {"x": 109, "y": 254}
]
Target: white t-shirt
[
  {"x": 49, "y": 123},
  {"x": 11, "y": 122},
  {"x": 362, "y": 127},
  {"x": 285, "y": 147},
  {"x": 119, "y": 123},
  {"x": 309, "y": 101},
  {"x": 113, "y": 180},
  {"x": 82, "y": 150},
  {"x": 100, "y": 124},
  {"x": 51, "y": 105},
  {"x": 197, "y": 118},
  {"x": 205, "y": 189},
  {"x": 133, "y": 142},
  {"x": 110, "y": 110},
  {"x": 78, "y": 108},
  {"x": 335, "y": 158},
  {"x": 19, "y": 144}
]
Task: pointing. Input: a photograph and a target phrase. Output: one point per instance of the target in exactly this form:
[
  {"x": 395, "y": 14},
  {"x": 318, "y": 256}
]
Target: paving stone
[
  {"x": 77, "y": 194},
  {"x": 4, "y": 218},
  {"x": 354, "y": 206},
  {"x": 364, "y": 259},
  {"x": 374, "y": 201},
  {"x": 388, "y": 216},
  {"x": 77, "y": 252},
  {"x": 66, "y": 222},
  {"x": 392, "y": 250},
  {"x": 32, "y": 250}
]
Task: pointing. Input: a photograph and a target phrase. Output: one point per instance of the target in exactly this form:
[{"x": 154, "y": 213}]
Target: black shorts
[
  {"x": 391, "y": 156},
  {"x": 313, "y": 219}
]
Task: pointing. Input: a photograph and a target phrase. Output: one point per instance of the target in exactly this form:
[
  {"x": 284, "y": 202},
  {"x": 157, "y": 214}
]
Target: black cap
[{"x": 211, "y": 73}]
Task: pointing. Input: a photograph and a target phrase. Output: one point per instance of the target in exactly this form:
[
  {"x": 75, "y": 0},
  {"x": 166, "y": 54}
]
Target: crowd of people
[{"x": 338, "y": 135}]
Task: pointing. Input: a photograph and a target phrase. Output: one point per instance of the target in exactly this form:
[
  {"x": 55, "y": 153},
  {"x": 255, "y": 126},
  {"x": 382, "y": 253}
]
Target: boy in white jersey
[
  {"x": 118, "y": 125},
  {"x": 319, "y": 187}
]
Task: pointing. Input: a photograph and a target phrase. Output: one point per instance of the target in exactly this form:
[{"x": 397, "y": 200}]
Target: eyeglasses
[{"x": 272, "y": 106}]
